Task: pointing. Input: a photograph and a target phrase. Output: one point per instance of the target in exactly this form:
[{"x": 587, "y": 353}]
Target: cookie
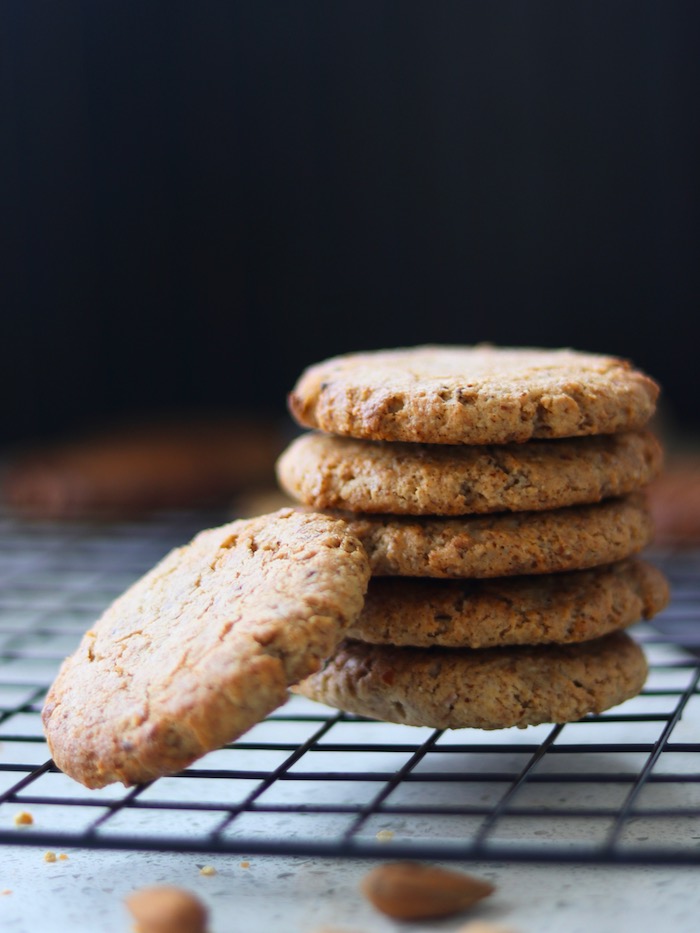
[
  {"x": 491, "y": 689},
  {"x": 331, "y": 472},
  {"x": 559, "y": 608},
  {"x": 472, "y": 395},
  {"x": 504, "y": 544},
  {"x": 675, "y": 502},
  {"x": 204, "y": 646},
  {"x": 143, "y": 467}
]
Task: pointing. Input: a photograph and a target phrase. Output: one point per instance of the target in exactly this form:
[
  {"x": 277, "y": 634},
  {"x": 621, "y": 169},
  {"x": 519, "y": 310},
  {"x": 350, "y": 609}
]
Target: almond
[
  {"x": 167, "y": 910},
  {"x": 411, "y": 891}
]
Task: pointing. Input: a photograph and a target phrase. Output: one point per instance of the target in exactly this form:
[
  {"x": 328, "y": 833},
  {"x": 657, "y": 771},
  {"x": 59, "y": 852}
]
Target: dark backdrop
[{"x": 198, "y": 199}]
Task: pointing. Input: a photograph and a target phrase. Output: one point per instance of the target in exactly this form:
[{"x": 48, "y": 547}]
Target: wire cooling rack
[{"x": 622, "y": 787}]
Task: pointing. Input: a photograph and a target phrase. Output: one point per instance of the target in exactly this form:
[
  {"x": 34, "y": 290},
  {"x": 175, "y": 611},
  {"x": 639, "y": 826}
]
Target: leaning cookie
[
  {"x": 204, "y": 646},
  {"x": 558, "y": 608},
  {"x": 329, "y": 472},
  {"x": 491, "y": 689},
  {"x": 472, "y": 395},
  {"x": 504, "y": 544}
]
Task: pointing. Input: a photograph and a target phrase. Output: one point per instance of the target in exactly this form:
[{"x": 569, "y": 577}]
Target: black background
[{"x": 199, "y": 199}]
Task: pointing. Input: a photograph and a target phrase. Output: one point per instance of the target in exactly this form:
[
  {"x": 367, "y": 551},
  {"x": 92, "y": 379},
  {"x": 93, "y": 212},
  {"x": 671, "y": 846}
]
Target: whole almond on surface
[
  {"x": 412, "y": 891},
  {"x": 167, "y": 910}
]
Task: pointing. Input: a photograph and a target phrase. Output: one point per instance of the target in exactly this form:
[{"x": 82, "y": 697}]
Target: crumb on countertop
[
  {"x": 23, "y": 818},
  {"x": 50, "y": 857},
  {"x": 207, "y": 870}
]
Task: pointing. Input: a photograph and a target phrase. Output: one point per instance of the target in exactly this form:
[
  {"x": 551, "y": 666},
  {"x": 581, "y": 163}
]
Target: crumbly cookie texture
[
  {"x": 490, "y": 689},
  {"x": 472, "y": 395},
  {"x": 552, "y": 608},
  {"x": 330, "y": 472},
  {"x": 204, "y": 646},
  {"x": 505, "y": 544}
]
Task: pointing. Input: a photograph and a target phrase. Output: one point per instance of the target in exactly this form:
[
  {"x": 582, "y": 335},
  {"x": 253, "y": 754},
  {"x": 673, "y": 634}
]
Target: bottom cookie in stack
[
  {"x": 492, "y": 654},
  {"x": 492, "y": 688}
]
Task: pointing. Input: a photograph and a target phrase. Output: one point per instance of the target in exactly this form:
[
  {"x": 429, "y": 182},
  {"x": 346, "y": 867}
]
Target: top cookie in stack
[
  {"x": 480, "y": 462},
  {"x": 472, "y": 395}
]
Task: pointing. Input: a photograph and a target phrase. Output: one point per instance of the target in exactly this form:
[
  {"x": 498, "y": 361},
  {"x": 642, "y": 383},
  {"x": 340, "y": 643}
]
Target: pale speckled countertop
[{"x": 85, "y": 895}]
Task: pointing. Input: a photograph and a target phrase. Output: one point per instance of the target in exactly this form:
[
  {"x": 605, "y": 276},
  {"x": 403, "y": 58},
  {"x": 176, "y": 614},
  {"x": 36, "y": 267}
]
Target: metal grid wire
[{"x": 622, "y": 787}]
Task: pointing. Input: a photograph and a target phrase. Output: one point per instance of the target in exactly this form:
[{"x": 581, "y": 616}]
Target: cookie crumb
[
  {"x": 63, "y": 857},
  {"x": 385, "y": 835},
  {"x": 245, "y": 864},
  {"x": 50, "y": 856},
  {"x": 23, "y": 818},
  {"x": 6, "y": 891},
  {"x": 166, "y": 909},
  {"x": 207, "y": 870}
]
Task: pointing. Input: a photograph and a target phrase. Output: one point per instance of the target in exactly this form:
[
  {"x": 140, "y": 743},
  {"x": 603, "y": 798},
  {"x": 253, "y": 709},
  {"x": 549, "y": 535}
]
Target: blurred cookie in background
[
  {"x": 674, "y": 498},
  {"x": 260, "y": 500},
  {"x": 137, "y": 468}
]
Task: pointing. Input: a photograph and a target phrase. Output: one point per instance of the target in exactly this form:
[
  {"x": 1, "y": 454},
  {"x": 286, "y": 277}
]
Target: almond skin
[
  {"x": 411, "y": 891},
  {"x": 167, "y": 910}
]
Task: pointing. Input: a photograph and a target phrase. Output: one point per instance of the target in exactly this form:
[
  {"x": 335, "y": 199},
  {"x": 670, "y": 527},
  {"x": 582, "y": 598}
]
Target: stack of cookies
[
  {"x": 494, "y": 496},
  {"x": 498, "y": 494}
]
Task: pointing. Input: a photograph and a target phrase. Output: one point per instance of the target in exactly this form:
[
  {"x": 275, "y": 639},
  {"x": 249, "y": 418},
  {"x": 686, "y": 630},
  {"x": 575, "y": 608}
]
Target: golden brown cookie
[
  {"x": 504, "y": 544},
  {"x": 204, "y": 646},
  {"x": 472, "y": 395},
  {"x": 560, "y": 607},
  {"x": 492, "y": 689},
  {"x": 330, "y": 472}
]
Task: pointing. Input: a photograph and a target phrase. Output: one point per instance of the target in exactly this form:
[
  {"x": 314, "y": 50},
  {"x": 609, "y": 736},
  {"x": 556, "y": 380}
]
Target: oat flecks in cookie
[
  {"x": 490, "y": 689},
  {"x": 472, "y": 395},
  {"x": 504, "y": 544},
  {"x": 329, "y": 472},
  {"x": 204, "y": 646},
  {"x": 552, "y": 608}
]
